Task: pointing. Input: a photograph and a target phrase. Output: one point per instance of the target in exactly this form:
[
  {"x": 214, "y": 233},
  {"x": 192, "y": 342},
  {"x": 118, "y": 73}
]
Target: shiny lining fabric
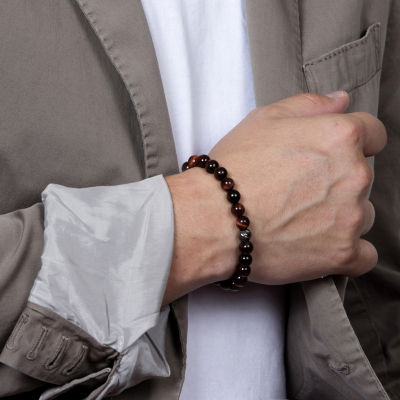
[{"x": 105, "y": 265}]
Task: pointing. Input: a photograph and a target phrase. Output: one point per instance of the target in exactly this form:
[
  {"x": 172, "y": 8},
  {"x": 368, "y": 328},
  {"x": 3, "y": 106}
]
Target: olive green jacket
[{"x": 82, "y": 104}]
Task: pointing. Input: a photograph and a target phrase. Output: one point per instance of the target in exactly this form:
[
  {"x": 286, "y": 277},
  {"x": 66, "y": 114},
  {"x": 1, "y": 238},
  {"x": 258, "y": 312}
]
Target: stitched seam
[
  {"x": 129, "y": 85},
  {"x": 377, "y": 45},
  {"x": 38, "y": 344},
  {"x": 12, "y": 342},
  {"x": 344, "y": 49},
  {"x": 299, "y": 53},
  {"x": 77, "y": 361},
  {"x": 364, "y": 83},
  {"x": 53, "y": 362},
  {"x": 360, "y": 352}
]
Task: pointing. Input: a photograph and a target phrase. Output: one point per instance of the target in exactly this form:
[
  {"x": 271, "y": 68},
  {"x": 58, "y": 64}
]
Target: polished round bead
[
  {"x": 242, "y": 222},
  {"x": 228, "y": 285},
  {"x": 245, "y": 259},
  {"x": 233, "y": 196},
  {"x": 246, "y": 247},
  {"x": 192, "y": 161},
  {"x": 243, "y": 270},
  {"x": 211, "y": 165},
  {"x": 245, "y": 235},
  {"x": 227, "y": 184},
  {"x": 239, "y": 280},
  {"x": 185, "y": 166},
  {"x": 202, "y": 160},
  {"x": 237, "y": 209},
  {"x": 220, "y": 173}
]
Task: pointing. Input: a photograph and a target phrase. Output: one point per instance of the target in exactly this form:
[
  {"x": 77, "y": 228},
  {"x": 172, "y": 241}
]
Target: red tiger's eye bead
[
  {"x": 192, "y": 161},
  {"x": 227, "y": 184},
  {"x": 211, "y": 165},
  {"x": 233, "y": 196},
  {"x": 185, "y": 166},
  {"x": 238, "y": 209},
  {"x": 202, "y": 160},
  {"x": 220, "y": 173},
  {"x": 242, "y": 222},
  {"x": 239, "y": 278}
]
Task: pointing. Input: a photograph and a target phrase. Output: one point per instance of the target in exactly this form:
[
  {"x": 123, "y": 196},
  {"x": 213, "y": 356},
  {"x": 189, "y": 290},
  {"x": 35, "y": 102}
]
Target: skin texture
[{"x": 300, "y": 165}]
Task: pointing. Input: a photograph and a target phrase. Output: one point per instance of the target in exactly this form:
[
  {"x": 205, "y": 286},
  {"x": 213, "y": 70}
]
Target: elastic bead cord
[{"x": 242, "y": 271}]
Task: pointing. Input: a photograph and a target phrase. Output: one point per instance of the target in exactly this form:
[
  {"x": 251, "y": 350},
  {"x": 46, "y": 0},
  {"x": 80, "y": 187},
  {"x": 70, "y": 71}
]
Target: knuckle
[
  {"x": 351, "y": 132},
  {"x": 362, "y": 176},
  {"x": 345, "y": 256},
  {"x": 277, "y": 109},
  {"x": 346, "y": 131},
  {"x": 355, "y": 220}
]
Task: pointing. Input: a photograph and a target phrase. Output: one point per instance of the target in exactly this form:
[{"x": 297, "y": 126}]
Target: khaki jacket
[{"x": 82, "y": 104}]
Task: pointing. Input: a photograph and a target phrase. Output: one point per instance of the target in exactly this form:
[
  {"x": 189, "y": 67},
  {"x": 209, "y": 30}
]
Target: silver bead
[{"x": 245, "y": 235}]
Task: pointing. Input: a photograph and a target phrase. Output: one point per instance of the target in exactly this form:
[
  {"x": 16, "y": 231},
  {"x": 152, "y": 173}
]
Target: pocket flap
[{"x": 346, "y": 67}]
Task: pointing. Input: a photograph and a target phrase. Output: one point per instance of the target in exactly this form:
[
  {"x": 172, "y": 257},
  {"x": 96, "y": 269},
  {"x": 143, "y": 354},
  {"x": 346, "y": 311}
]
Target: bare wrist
[{"x": 205, "y": 239}]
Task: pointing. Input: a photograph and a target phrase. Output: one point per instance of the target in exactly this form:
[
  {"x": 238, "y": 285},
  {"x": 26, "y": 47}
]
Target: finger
[
  {"x": 367, "y": 259},
  {"x": 369, "y": 217},
  {"x": 373, "y": 133},
  {"x": 310, "y": 104}
]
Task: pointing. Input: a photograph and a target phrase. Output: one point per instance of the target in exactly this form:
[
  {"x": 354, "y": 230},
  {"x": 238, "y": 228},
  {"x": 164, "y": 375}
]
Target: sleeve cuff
[{"x": 95, "y": 305}]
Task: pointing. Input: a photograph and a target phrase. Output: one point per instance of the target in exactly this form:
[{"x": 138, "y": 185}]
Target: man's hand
[{"x": 300, "y": 165}]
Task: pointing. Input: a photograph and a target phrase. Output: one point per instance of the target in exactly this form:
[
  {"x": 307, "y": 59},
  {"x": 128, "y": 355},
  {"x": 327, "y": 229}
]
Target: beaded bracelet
[{"x": 239, "y": 278}]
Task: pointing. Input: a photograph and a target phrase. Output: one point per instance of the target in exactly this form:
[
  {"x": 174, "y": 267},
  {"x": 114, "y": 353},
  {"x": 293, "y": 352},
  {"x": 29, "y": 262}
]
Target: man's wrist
[{"x": 205, "y": 238}]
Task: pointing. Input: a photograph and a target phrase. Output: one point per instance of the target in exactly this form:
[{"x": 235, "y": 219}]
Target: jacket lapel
[
  {"x": 122, "y": 29},
  {"x": 275, "y": 47}
]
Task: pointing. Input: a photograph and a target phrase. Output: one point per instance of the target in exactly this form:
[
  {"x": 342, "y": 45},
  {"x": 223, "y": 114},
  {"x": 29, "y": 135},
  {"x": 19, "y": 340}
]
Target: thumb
[{"x": 309, "y": 104}]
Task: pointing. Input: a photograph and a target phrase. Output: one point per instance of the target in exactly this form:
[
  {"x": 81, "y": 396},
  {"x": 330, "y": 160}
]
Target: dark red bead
[
  {"x": 245, "y": 259},
  {"x": 233, "y": 196},
  {"x": 239, "y": 280},
  {"x": 220, "y": 173},
  {"x": 211, "y": 165},
  {"x": 192, "y": 161},
  {"x": 243, "y": 270},
  {"x": 228, "y": 285},
  {"x": 238, "y": 209},
  {"x": 185, "y": 166},
  {"x": 202, "y": 160},
  {"x": 227, "y": 184},
  {"x": 242, "y": 222},
  {"x": 246, "y": 247}
]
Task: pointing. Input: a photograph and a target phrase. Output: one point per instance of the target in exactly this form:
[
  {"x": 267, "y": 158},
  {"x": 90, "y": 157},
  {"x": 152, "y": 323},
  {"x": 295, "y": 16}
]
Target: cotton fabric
[{"x": 203, "y": 55}]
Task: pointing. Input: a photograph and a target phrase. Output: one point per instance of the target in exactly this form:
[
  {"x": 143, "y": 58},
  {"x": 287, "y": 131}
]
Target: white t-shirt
[{"x": 235, "y": 340}]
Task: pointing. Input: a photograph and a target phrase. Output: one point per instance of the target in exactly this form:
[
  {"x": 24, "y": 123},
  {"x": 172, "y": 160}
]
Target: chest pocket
[{"x": 354, "y": 67}]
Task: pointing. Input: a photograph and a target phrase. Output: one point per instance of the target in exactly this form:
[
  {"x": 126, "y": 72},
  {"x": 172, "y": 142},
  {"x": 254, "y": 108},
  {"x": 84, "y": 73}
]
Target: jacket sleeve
[{"x": 95, "y": 279}]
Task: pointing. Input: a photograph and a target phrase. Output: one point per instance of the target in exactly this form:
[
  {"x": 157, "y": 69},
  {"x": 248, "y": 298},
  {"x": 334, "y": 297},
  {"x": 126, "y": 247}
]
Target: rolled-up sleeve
[{"x": 95, "y": 306}]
